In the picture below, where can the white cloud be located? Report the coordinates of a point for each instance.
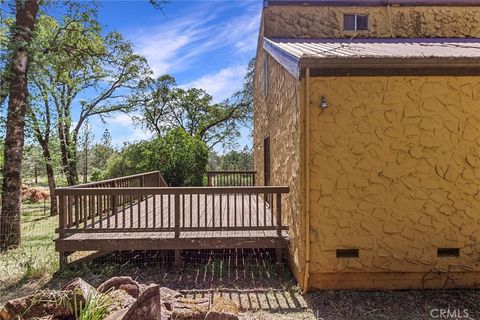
(125, 131)
(222, 84)
(176, 45)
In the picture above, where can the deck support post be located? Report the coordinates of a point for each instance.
(63, 259)
(61, 233)
(278, 255)
(178, 259)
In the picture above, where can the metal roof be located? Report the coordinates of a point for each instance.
(372, 53)
(373, 2)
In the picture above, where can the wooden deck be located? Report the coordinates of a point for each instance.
(161, 218)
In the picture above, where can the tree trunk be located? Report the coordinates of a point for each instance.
(50, 176)
(69, 157)
(26, 14)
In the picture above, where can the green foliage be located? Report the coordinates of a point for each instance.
(181, 158)
(77, 66)
(233, 160)
(163, 106)
(97, 306)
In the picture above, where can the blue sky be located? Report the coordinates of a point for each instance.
(204, 44)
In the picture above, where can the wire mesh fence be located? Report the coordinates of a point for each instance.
(34, 253)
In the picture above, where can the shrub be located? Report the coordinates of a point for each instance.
(181, 158)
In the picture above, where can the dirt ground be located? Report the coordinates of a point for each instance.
(264, 290)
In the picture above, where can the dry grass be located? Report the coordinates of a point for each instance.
(35, 258)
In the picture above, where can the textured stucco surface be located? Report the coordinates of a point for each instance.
(327, 22)
(279, 116)
(395, 173)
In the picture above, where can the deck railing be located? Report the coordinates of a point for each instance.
(231, 178)
(148, 179)
(160, 209)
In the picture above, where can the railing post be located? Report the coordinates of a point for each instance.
(253, 179)
(209, 179)
(178, 261)
(279, 214)
(279, 251)
(114, 201)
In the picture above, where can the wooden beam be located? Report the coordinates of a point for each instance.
(122, 244)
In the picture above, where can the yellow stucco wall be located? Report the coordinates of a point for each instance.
(395, 173)
(415, 21)
(280, 116)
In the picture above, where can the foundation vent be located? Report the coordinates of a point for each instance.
(347, 253)
(448, 252)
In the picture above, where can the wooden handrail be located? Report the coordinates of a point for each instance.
(165, 209)
(230, 171)
(114, 180)
(171, 190)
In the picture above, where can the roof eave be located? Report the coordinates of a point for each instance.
(370, 66)
(366, 66)
(289, 61)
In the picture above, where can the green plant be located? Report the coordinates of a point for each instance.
(96, 306)
(181, 158)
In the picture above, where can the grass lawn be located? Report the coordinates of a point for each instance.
(263, 290)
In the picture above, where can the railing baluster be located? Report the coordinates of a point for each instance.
(228, 209)
(205, 212)
(146, 211)
(256, 209)
(243, 210)
(169, 211)
(221, 211)
(213, 209)
(235, 210)
(177, 215)
(131, 211)
(279, 214)
(161, 210)
(154, 199)
(191, 213)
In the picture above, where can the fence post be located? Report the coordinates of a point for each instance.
(178, 261)
(209, 179)
(253, 178)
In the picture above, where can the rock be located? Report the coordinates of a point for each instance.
(79, 290)
(40, 305)
(168, 297)
(222, 309)
(147, 307)
(122, 298)
(190, 309)
(127, 284)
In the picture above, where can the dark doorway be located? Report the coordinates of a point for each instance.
(266, 161)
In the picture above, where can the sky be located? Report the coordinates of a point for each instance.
(203, 44)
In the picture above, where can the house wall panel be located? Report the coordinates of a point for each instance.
(279, 115)
(395, 173)
(384, 22)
